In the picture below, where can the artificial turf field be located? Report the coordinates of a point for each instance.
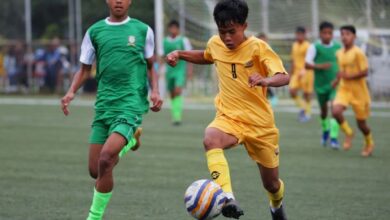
(43, 169)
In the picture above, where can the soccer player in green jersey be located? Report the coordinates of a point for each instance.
(321, 56)
(176, 76)
(124, 49)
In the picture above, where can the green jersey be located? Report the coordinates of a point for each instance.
(121, 69)
(320, 54)
(172, 44)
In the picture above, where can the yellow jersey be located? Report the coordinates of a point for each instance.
(298, 54)
(352, 62)
(235, 98)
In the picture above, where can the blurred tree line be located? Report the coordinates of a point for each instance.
(50, 18)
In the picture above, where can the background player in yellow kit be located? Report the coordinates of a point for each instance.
(302, 79)
(246, 66)
(353, 89)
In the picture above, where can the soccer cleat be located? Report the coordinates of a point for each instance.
(348, 142)
(325, 137)
(278, 214)
(367, 150)
(334, 144)
(137, 136)
(176, 123)
(301, 115)
(231, 209)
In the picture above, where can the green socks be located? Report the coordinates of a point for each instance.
(325, 124)
(334, 129)
(129, 145)
(99, 204)
(332, 126)
(177, 108)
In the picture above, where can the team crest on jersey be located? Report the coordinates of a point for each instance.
(249, 64)
(131, 41)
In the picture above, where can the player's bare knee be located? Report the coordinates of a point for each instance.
(210, 143)
(272, 186)
(106, 161)
(93, 172)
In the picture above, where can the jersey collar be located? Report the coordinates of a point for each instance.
(117, 23)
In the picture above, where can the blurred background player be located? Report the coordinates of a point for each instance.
(246, 66)
(301, 78)
(353, 89)
(176, 76)
(321, 56)
(122, 93)
(273, 98)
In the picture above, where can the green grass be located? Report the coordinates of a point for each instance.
(43, 169)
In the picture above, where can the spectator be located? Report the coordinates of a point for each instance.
(39, 72)
(3, 75)
(53, 65)
(11, 70)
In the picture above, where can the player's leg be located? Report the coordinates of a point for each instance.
(325, 122)
(293, 88)
(275, 190)
(108, 158)
(215, 141)
(334, 126)
(178, 101)
(133, 144)
(93, 159)
(307, 96)
(362, 112)
(177, 105)
(337, 112)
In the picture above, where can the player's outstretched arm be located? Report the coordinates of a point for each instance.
(192, 56)
(277, 80)
(153, 82)
(78, 80)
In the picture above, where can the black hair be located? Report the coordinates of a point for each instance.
(227, 12)
(300, 29)
(350, 28)
(326, 24)
(173, 23)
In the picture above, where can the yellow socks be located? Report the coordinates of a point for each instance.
(299, 102)
(369, 140)
(308, 108)
(276, 198)
(346, 128)
(219, 170)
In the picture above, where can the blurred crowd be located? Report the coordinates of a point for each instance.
(45, 69)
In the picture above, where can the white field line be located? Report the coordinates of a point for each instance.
(190, 106)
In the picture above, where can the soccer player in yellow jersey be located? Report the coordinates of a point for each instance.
(352, 89)
(246, 66)
(301, 78)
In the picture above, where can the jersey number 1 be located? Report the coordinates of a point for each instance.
(234, 72)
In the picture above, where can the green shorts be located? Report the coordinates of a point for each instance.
(175, 80)
(324, 98)
(106, 123)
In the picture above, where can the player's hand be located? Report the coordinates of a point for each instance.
(257, 80)
(172, 58)
(324, 66)
(65, 101)
(156, 101)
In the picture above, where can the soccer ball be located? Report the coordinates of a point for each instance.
(204, 199)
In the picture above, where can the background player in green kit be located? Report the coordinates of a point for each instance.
(321, 56)
(124, 49)
(176, 76)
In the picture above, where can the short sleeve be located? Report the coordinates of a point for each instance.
(149, 44)
(311, 54)
(87, 55)
(362, 61)
(207, 52)
(187, 44)
(271, 61)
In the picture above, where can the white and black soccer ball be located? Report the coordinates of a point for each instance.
(204, 199)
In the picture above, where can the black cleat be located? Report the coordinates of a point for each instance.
(279, 214)
(231, 209)
(176, 123)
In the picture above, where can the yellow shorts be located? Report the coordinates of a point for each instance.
(360, 107)
(262, 144)
(306, 83)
